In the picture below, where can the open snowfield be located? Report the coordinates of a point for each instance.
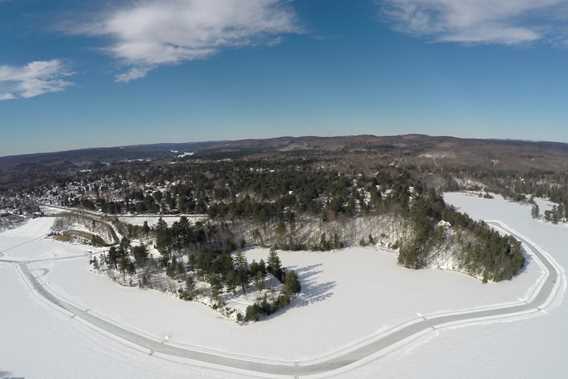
(533, 348)
(37, 341)
(29, 242)
(348, 295)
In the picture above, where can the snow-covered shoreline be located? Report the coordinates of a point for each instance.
(335, 283)
(339, 285)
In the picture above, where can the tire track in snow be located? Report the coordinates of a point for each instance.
(341, 360)
(21, 244)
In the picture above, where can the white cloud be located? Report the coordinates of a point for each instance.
(149, 33)
(34, 79)
(133, 74)
(479, 21)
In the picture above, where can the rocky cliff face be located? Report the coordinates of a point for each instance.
(84, 223)
(386, 231)
(451, 249)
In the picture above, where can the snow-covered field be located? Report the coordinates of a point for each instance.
(29, 242)
(39, 342)
(348, 295)
(533, 348)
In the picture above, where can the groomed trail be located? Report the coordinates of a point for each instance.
(549, 287)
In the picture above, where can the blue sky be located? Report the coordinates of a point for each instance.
(126, 72)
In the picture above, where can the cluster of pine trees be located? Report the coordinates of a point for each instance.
(203, 252)
(493, 256)
(279, 193)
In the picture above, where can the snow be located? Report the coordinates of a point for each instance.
(50, 211)
(29, 242)
(39, 342)
(347, 295)
(533, 348)
(544, 204)
(240, 301)
(153, 220)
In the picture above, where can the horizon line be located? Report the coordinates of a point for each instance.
(231, 140)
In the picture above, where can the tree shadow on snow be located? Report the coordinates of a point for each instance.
(528, 260)
(313, 291)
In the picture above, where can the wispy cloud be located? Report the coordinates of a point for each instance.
(149, 33)
(33, 79)
(506, 22)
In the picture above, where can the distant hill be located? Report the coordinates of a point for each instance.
(511, 154)
(107, 154)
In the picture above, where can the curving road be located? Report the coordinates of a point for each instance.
(341, 360)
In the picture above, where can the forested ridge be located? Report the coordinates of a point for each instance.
(296, 202)
(267, 203)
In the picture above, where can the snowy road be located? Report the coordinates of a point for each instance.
(370, 349)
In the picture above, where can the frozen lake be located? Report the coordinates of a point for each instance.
(348, 295)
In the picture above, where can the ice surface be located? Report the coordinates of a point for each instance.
(533, 348)
(347, 296)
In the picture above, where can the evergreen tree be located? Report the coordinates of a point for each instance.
(146, 229)
(292, 283)
(163, 239)
(172, 267)
(232, 282)
(259, 281)
(216, 287)
(189, 292)
(274, 264)
(252, 313)
(140, 255)
(262, 267)
(95, 263)
(130, 268)
(124, 244)
(535, 211)
(113, 257)
(123, 263)
(242, 269)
